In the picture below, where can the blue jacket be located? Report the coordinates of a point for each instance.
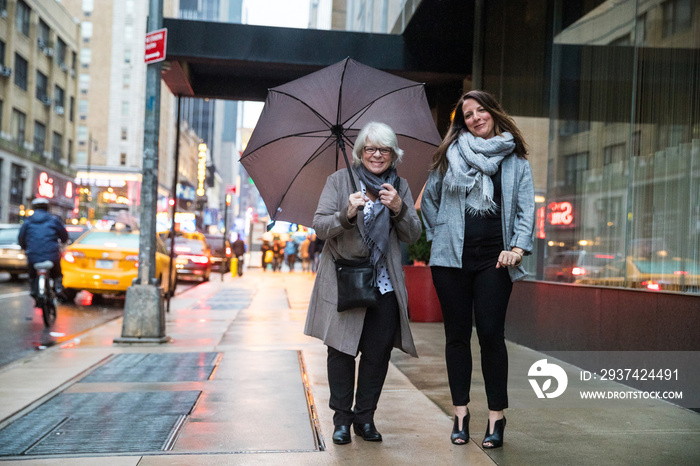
(443, 215)
(39, 236)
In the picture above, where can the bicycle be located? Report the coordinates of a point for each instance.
(46, 296)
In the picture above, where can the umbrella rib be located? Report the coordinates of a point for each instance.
(320, 117)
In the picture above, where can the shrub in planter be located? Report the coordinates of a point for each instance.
(423, 304)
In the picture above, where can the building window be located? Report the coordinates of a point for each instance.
(42, 83)
(71, 109)
(88, 7)
(39, 137)
(3, 8)
(2, 53)
(614, 153)
(85, 58)
(677, 16)
(126, 80)
(69, 154)
(576, 165)
(21, 67)
(82, 134)
(61, 54)
(57, 148)
(84, 83)
(19, 126)
(125, 108)
(86, 30)
(59, 99)
(82, 109)
(125, 133)
(127, 56)
(74, 62)
(44, 34)
(122, 159)
(22, 17)
(17, 179)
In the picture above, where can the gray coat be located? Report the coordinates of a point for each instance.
(342, 330)
(444, 213)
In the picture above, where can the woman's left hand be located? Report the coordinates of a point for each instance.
(390, 198)
(509, 259)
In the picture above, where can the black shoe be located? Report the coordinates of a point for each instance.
(496, 438)
(368, 432)
(341, 435)
(460, 437)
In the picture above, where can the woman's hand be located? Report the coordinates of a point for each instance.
(510, 258)
(355, 201)
(390, 198)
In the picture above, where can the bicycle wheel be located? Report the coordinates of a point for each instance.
(48, 308)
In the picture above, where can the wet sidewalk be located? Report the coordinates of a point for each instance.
(241, 384)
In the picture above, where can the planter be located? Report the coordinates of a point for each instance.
(423, 304)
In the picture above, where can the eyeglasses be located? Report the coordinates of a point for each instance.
(382, 150)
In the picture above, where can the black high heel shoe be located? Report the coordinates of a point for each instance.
(496, 438)
(463, 434)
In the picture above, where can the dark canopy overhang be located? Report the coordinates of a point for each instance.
(241, 62)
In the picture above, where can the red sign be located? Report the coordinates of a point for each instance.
(560, 214)
(230, 189)
(155, 46)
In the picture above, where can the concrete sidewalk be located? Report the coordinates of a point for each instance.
(241, 384)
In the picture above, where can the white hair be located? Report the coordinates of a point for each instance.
(380, 134)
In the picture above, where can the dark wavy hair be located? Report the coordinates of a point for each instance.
(502, 123)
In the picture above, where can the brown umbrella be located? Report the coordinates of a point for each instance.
(305, 124)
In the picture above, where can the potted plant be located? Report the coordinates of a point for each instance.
(423, 303)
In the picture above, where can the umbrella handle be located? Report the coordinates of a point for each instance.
(341, 143)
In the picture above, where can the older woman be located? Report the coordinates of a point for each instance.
(356, 225)
(479, 210)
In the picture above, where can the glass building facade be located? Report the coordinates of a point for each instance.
(607, 94)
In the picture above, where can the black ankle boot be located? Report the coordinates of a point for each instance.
(368, 432)
(341, 435)
(496, 438)
(463, 434)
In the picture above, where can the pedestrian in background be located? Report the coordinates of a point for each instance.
(478, 207)
(266, 258)
(357, 224)
(304, 254)
(318, 250)
(238, 248)
(277, 255)
(290, 254)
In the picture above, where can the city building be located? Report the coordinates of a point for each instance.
(111, 108)
(39, 47)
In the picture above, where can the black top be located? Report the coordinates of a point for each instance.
(485, 230)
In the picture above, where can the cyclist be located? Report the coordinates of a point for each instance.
(39, 237)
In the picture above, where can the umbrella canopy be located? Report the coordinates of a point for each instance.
(297, 141)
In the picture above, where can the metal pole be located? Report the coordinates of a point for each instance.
(226, 203)
(144, 314)
(173, 191)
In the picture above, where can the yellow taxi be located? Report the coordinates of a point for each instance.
(652, 274)
(106, 262)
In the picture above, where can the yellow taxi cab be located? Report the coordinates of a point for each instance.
(106, 262)
(652, 274)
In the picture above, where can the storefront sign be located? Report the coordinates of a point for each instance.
(560, 214)
(51, 185)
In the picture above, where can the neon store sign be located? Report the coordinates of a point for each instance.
(560, 214)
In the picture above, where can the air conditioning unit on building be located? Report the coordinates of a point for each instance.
(63, 66)
(59, 110)
(5, 70)
(48, 51)
(45, 100)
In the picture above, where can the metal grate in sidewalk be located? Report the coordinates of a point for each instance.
(155, 367)
(75, 423)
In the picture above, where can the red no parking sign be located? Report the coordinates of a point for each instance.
(155, 46)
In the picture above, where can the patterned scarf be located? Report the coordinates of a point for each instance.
(472, 162)
(377, 226)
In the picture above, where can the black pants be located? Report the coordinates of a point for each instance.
(380, 327)
(482, 288)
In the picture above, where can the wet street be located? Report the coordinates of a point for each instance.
(22, 330)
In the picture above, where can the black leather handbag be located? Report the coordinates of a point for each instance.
(355, 284)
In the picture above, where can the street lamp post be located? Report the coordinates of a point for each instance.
(144, 313)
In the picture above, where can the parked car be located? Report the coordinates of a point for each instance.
(12, 257)
(107, 262)
(192, 258)
(571, 266)
(220, 251)
(656, 274)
